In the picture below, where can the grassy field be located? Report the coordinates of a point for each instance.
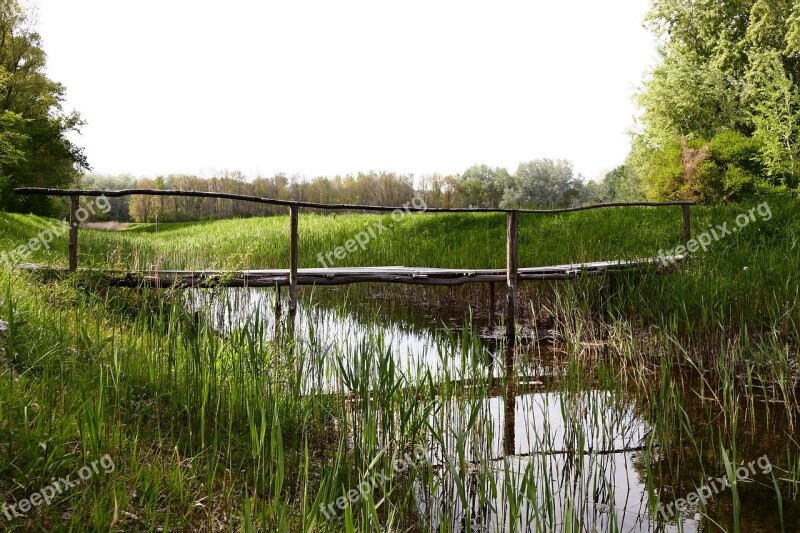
(212, 431)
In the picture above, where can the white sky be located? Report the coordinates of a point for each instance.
(325, 88)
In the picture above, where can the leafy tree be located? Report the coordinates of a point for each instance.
(143, 208)
(483, 186)
(590, 193)
(776, 116)
(33, 126)
(686, 97)
(543, 183)
(621, 185)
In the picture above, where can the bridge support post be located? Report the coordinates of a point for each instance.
(511, 328)
(73, 232)
(293, 216)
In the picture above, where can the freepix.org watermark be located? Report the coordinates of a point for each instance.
(58, 486)
(371, 231)
(416, 458)
(46, 237)
(713, 487)
(716, 233)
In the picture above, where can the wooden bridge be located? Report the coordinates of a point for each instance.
(294, 276)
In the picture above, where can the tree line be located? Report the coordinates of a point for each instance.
(541, 183)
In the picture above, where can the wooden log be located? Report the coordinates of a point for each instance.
(293, 217)
(73, 232)
(687, 225)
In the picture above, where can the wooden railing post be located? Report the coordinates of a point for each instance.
(687, 225)
(73, 232)
(511, 277)
(293, 265)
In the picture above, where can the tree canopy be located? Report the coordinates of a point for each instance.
(721, 112)
(34, 146)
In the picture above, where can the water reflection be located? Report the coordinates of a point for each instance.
(570, 460)
(534, 459)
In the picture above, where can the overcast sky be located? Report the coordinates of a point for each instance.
(325, 88)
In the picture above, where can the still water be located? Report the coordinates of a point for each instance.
(572, 461)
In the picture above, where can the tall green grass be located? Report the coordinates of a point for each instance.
(227, 429)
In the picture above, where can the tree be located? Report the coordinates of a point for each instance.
(686, 97)
(143, 208)
(621, 185)
(543, 183)
(33, 124)
(776, 116)
(483, 186)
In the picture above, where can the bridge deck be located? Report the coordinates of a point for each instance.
(350, 275)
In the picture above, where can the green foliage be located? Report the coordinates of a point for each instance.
(12, 140)
(483, 186)
(686, 97)
(543, 183)
(729, 68)
(727, 168)
(776, 116)
(737, 159)
(661, 168)
(621, 185)
(34, 145)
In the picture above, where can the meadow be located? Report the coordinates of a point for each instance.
(688, 376)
